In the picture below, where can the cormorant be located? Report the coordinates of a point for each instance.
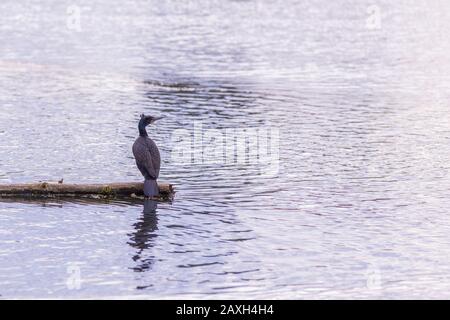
(148, 159)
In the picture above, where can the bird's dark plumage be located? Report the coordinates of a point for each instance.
(147, 156)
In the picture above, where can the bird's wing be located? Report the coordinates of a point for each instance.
(148, 164)
(144, 160)
(156, 157)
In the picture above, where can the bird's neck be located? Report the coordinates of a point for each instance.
(142, 130)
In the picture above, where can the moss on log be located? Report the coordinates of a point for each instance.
(93, 191)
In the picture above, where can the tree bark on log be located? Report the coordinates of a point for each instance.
(100, 191)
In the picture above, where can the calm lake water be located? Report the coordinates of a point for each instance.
(358, 206)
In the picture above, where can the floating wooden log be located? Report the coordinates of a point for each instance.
(93, 191)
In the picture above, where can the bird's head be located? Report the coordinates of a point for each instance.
(144, 122)
(147, 120)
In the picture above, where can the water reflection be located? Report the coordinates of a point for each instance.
(61, 201)
(143, 239)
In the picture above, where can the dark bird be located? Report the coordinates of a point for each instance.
(148, 159)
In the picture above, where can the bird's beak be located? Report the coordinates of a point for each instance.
(157, 118)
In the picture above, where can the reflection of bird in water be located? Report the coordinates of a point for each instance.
(148, 159)
(144, 236)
